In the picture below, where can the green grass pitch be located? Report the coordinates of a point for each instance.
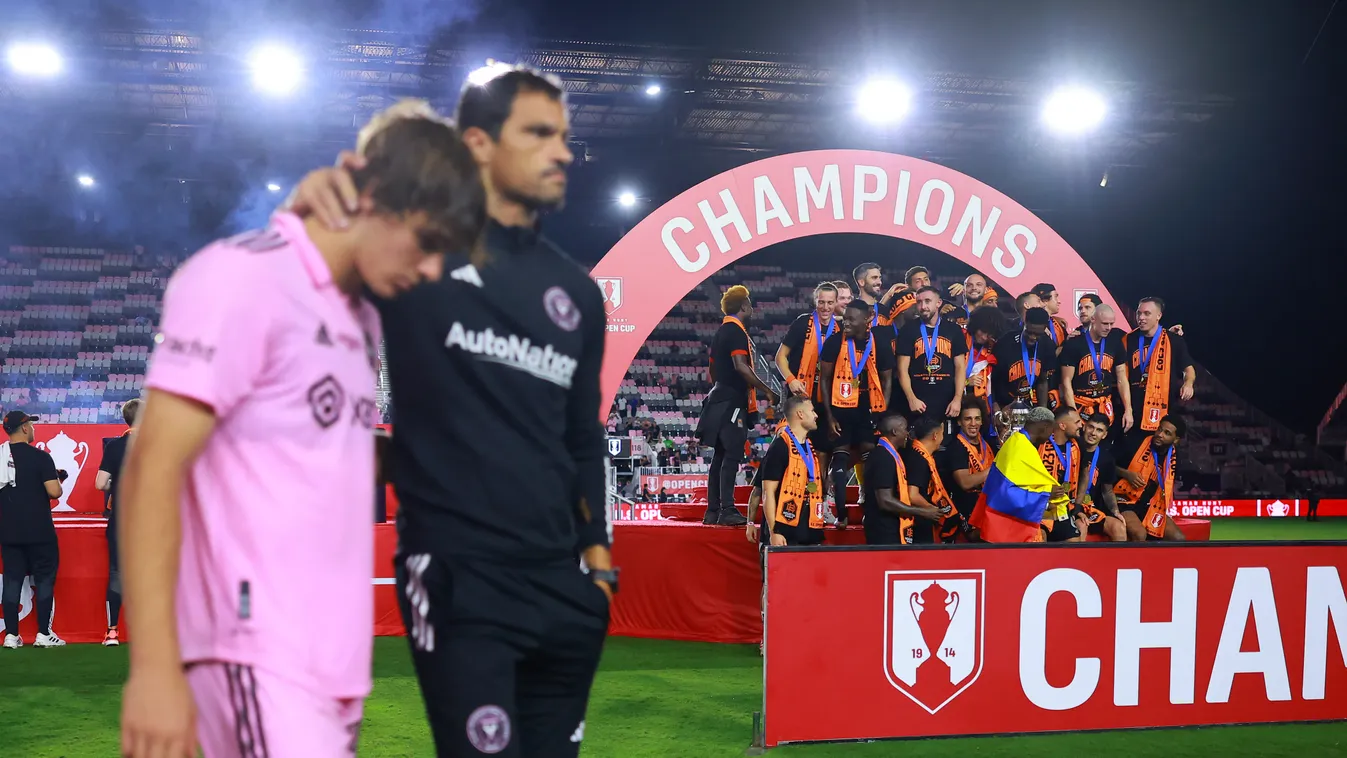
(652, 699)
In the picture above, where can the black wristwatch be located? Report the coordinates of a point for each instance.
(608, 577)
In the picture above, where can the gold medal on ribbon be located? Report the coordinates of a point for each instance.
(811, 488)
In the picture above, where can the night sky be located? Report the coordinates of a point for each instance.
(1239, 229)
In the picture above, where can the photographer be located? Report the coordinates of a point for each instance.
(29, 481)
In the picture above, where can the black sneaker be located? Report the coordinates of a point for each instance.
(711, 518)
(733, 518)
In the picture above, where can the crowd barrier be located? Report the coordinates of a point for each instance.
(979, 640)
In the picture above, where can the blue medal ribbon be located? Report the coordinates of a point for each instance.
(865, 356)
(1162, 476)
(885, 444)
(818, 327)
(1146, 354)
(1052, 330)
(1064, 459)
(1094, 463)
(1030, 368)
(1097, 357)
(806, 452)
(930, 340)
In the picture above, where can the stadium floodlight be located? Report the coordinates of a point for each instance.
(653, 90)
(626, 199)
(884, 101)
(276, 70)
(1074, 110)
(486, 73)
(85, 181)
(273, 187)
(31, 59)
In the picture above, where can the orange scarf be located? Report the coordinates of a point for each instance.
(808, 371)
(1057, 331)
(1155, 404)
(980, 458)
(1143, 463)
(1054, 467)
(844, 384)
(900, 491)
(938, 496)
(794, 497)
(752, 361)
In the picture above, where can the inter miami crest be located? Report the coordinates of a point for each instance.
(933, 633)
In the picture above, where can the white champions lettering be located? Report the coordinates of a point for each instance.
(516, 352)
(1251, 602)
(930, 206)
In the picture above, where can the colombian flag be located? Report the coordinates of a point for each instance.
(1015, 494)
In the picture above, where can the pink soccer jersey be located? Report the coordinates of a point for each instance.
(277, 543)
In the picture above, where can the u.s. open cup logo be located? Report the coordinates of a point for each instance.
(933, 633)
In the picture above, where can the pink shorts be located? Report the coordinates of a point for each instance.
(245, 713)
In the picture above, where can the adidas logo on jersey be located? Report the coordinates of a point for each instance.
(510, 350)
(467, 274)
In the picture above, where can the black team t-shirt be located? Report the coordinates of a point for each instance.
(1179, 360)
(881, 527)
(114, 452)
(932, 381)
(25, 509)
(1077, 352)
(729, 341)
(957, 459)
(919, 476)
(1106, 474)
(794, 340)
(773, 469)
(883, 352)
(1009, 382)
(1126, 449)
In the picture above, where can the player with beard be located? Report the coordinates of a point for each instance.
(505, 625)
(798, 358)
(1085, 308)
(932, 360)
(1145, 487)
(926, 488)
(1065, 520)
(984, 326)
(1094, 366)
(1023, 361)
(1098, 474)
(889, 512)
(791, 479)
(975, 294)
(856, 372)
(731, 408)
(969, 457)
(1161, 369)
(844, 298)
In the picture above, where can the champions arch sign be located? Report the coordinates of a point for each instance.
(751, 207)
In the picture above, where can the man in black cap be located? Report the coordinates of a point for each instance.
(29, 481)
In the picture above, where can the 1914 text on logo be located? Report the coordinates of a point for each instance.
(516, 352)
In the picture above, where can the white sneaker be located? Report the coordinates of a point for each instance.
(13, 641)
(48, 640)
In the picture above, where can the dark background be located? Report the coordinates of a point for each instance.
(1241, 228)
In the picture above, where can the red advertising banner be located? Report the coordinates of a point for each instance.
(1243, 508)
(673, 484)
(78, 449)
(999, 640)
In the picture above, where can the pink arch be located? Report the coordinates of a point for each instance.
(775, 199)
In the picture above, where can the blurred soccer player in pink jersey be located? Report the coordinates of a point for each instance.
(246, 498)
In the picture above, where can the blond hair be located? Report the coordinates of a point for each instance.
(733, 300)
(403, 109)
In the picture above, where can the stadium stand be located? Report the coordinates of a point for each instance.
(77, 326)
